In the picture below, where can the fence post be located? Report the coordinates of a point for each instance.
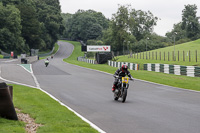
(160, 55)
(168, 56)
(146, 55)
(164, 56)
(149, 56)
(189, 56)
(183, 55)
(153, 55)
(196, 55)
(178, 55)
(156, 55)
(143, 55)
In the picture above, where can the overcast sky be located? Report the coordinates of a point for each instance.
(169, 11)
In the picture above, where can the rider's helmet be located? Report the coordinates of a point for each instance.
(124, 68)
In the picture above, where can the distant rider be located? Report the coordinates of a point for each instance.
(121, 72)
(46, 62)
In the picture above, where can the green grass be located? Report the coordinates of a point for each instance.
(54, 51)
(191, 83)
(56, 48)
(10, 126)
(140, 58)
(45, 111)
(1, 56)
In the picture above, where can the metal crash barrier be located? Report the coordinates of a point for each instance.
(7, 109)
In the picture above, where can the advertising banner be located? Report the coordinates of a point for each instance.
(105, 48)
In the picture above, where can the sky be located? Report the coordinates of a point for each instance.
(169, 12)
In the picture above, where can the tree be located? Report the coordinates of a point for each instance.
(10, 29)
(180, 33)
(119, 28)
(66, 17)
(190, 21)
(86, 25)
(141, 23)
(31, 29)
(128, 26)
(94, 31)
(49, 16)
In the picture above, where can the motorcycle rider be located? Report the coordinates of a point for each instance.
(121, 72)
(46, 62)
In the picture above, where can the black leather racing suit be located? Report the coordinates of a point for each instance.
(121, 73)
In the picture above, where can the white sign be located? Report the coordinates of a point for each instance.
(105, 48)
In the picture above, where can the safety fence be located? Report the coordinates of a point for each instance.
(86, 60)
(191, 71)
(131, 66)
(47, 54)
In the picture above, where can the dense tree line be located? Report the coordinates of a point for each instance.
(129, 29)
(85, 25)
(38, 24)
(189, 28)
(29, 24)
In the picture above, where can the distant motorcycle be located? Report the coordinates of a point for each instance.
(46, 63)
(121, 88)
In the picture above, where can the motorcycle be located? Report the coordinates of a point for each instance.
(46, 63)
(121, 88)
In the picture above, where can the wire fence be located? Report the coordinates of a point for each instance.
(185, 55)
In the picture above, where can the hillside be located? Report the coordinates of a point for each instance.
(190, 50)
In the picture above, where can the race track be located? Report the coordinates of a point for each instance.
(150, 108)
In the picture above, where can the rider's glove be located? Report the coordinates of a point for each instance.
(115, 76)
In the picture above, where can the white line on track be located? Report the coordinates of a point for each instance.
(38, 87)
(10, 60)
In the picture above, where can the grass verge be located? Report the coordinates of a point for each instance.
(185, 82)
(54, 51)
(167, 52)
(45, 111)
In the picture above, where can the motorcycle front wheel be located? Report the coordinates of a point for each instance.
(124, 95)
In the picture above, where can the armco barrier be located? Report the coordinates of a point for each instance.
(86, 60)
(32, 59)
(131, 66)
(191, 71)
(47, 54)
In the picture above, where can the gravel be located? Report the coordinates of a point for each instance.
(31, 126)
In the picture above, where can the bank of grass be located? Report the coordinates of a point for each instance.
(46, 111)
(189, 46)
(185, 82)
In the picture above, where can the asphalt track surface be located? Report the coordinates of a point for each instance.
(149, 108)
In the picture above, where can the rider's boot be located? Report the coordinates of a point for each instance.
(113, 88)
